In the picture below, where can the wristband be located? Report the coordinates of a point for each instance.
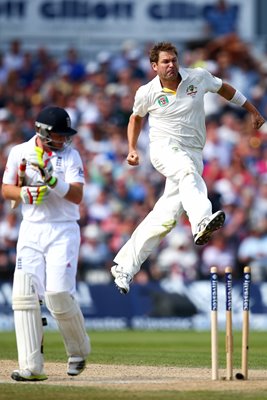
(59, 187)
(238, 98)
(52, 181)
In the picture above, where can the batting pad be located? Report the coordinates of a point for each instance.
(28, 322)
(66, 311)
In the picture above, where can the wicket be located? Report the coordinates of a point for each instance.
(229, 328)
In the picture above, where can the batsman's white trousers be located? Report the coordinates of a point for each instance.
(49, 251)
(185, 190)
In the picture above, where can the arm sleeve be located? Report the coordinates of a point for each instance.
(11, 170)
(212, 83)
(140, 102)
(75, 170)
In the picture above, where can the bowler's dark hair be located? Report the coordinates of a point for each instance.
(161, 46)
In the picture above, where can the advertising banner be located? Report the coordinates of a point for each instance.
(99, 23)
(151, 306)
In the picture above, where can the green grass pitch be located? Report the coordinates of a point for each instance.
(141, 348)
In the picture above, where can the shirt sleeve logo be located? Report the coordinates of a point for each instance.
(163, 101)
(81, 173)
(59, 161)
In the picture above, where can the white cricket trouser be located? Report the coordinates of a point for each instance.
(49, 251)
(47, 256)
(185, 190)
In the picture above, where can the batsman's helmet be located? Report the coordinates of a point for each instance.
(54, 120)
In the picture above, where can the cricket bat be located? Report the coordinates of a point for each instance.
(20, 178)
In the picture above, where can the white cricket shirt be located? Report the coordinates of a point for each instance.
(178, 115)
(67, 166)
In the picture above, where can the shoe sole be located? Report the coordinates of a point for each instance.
(78, 373)
(212, 226)
(17, 377)
(80, 367)
(121, 289)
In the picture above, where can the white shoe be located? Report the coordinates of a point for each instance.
(76, 365)
(207, 226)
(122, 279)
(24, 375)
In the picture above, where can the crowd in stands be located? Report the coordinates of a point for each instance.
(98, 95)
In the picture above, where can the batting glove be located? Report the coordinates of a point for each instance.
(41, 160)
(33, 194)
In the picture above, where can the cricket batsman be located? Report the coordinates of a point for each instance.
(48, 243)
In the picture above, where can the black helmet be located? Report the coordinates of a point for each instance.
(54, 120)
(57, 120)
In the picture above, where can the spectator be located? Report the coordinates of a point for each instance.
(3, 70)
(94, 252)
(72, 66)
(221, 18)
(9, 230)
(216, 254)
(253, 252)
(13, 59)
(181, 253)
(258, 210)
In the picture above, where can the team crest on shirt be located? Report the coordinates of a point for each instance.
(191, 90)
(163, 101)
